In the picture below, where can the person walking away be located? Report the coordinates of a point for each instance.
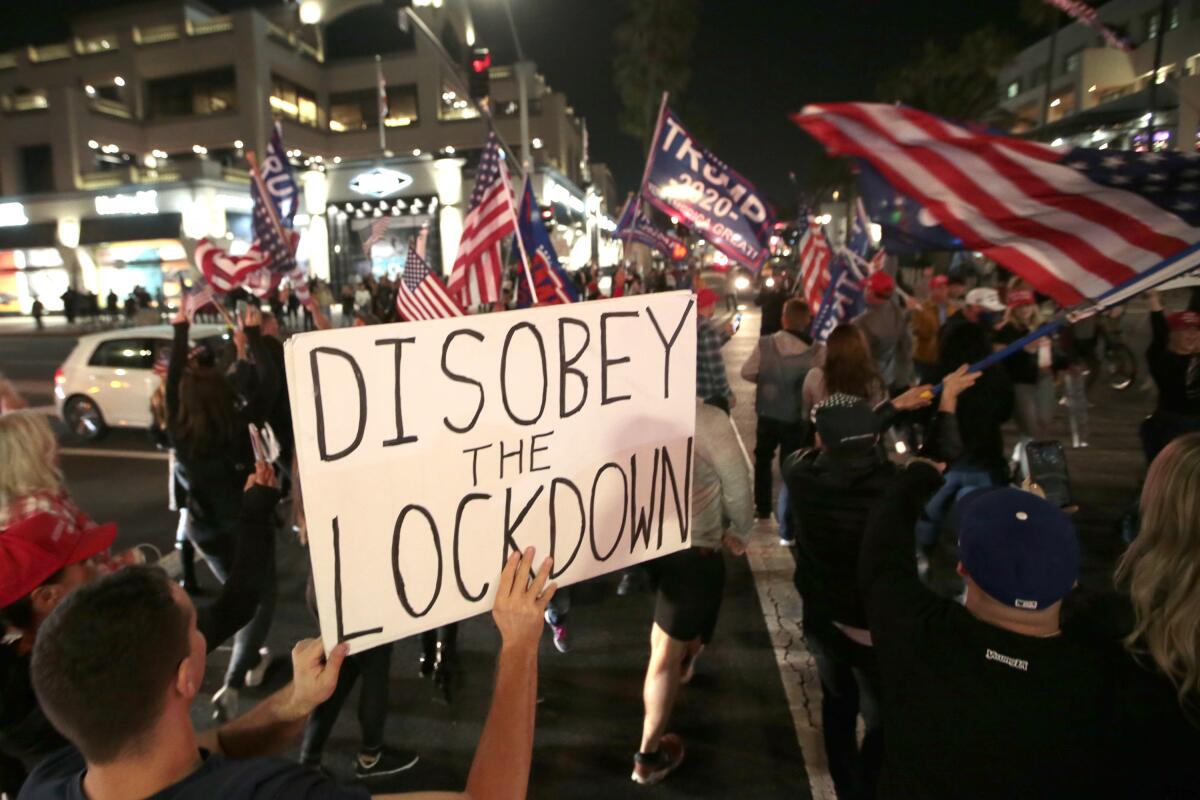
(111, 305)
(772, 295)
(690, 585)
(986, 698)
(886, 326)
(1174, 360)
(927, 320)
(1030, 371)
(37, 310)
(1077, 343)
(1149, 617)
(778, 366)
(712, 384)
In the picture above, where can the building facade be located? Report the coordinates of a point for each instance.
(123, 145)
(1070, 88)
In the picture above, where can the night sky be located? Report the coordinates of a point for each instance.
(754, 62)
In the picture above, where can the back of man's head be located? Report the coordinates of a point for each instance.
(105, 658)
(795, 315)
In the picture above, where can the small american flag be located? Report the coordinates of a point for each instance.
(815, 257)
(1075, 222)
(196, 299)
(421, 294)
(475, 278)
(224, 272)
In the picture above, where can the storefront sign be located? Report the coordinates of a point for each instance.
(557, 193)
(429, 451)
(12, 214)
(379, 182)
(141, 203)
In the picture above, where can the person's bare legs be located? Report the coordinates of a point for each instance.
(663, 675)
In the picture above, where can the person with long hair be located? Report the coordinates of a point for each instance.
(212, 445)
(849, 369)
(1154, 614)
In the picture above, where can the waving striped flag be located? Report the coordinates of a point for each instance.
(421, 294)
(1076, 223)
(815, 258)
(475, 278)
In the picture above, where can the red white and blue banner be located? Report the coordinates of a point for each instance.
(1078, 224)
(686, 180)
(546, 275)
(634, 225)
(1086, 15)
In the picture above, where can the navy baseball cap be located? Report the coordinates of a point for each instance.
(846, 424)
(1018, 548)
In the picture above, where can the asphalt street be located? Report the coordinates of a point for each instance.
(734, 718)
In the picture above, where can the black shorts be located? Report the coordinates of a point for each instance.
(690, 585)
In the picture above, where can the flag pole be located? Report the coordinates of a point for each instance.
(381, 102)
(526, 190)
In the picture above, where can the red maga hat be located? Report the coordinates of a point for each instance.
(34, 548)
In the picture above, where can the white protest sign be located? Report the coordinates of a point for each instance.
(428, 451)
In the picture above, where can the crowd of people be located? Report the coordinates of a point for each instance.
(1012, 682)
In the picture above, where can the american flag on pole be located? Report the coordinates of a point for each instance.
(222, 271)
(1076, 223)
(196, 298)
(492, 216)
(815, 258)
(421, 294)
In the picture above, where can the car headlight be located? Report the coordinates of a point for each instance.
(742, 283)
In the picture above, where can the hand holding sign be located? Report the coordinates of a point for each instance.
(521, 601)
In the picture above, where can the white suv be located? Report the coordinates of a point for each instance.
(108, 379)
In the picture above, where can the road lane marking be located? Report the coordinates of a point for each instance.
(83, 452)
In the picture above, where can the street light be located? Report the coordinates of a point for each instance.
(311, 12)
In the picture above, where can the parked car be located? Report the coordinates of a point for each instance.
(108, 379)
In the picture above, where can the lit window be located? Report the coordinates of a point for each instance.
(454, 106)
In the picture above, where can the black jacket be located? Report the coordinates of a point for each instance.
(831, 498)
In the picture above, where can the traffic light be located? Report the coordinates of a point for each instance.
(477, 73)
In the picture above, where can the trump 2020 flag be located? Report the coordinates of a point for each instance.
(1077, 223)
(843, 299)
(686, 180)
(546, 275)
(635, 225)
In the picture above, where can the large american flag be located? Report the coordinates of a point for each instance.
(421, 294)
(1076, 223)
(815, 258)
(492, 216)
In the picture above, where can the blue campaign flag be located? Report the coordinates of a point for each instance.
(686, 180)
(635, 225)
(843, 299)
(276, 194)
(549, 279)
(906, 226)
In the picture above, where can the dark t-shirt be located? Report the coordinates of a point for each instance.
(1022, 365)
(60, 777)
(971, 710)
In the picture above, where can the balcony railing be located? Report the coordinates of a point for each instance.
(49, 52)
(154, 34)
(210, 26)
(97, 44)
(111, 107)
(165, 172)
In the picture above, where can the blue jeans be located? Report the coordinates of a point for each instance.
(958, 482)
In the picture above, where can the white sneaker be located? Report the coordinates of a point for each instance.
(255, 675)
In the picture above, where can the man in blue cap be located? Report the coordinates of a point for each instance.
(988, 697)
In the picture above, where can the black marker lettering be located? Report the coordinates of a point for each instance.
(474, 451)
(519, 453)
(534, 449)
(537, 336)
(400, 438)
(668, 344)
(554, 484)
(510, 544)
(642, 521)
(401, 592)
(605, 361)
(592, 511)
(462, 586)
(567, 366)
(682, 508)
(362, 402)
(338, 611)
(457, 378)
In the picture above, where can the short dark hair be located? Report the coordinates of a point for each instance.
(795, 312)
(104, 659)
